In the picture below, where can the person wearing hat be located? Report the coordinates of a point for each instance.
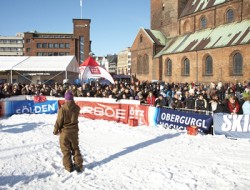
(66, 126)
(246, 104)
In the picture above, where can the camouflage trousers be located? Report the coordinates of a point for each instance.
(69, 144)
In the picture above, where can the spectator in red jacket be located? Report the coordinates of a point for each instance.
(151, 98)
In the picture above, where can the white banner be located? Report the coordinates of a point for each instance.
(236, 126)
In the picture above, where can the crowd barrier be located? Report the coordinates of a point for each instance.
(236, 126)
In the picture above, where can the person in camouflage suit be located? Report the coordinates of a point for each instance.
(66, 127)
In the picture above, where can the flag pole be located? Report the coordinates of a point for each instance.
(81, 7)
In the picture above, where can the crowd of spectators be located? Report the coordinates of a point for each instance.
(216, 97)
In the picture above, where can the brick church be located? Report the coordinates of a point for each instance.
(194, 41)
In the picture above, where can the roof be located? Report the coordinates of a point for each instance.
(39, 63)
(8, 62)
(193, 6)
(89, 62)
(112, 58)
(222, 36)
(156, 36)
(48, 33)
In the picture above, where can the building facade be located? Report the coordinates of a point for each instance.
(59, 44)
(124, 62)
(194, 41)
(112, 64)
(12, 45)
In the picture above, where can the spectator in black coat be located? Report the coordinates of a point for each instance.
(160, 101)
(190, 101)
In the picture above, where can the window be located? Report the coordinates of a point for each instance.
(141, 38)
(139, 65)
(27, 50)
(50, 45)
(44, 45)
(145, 64)
(39, 45)
(186, 26)
(168, 67)
(209, 65)
(230, 16)
(13, 49)
(27, 40)
(81, 47)
(186, 67)
(237, 64)
(56, 45)
(203, 22)
(67, 45)
(61, 45)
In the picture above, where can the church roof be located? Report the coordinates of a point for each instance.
(193, 6)
(232, 34)
(156, 36)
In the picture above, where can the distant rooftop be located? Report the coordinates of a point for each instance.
(53, 33)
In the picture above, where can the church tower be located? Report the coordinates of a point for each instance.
(165, 15)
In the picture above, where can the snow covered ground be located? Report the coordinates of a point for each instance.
(117, 156)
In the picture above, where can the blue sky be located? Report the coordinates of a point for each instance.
(114, 23)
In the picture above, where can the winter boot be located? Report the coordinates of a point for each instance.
(79, 168)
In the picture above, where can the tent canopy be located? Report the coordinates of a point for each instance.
(89, 62)
(91, 69)
(39, 63)
(8, 62)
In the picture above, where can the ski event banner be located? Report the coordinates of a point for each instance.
(174, 119)
(28, 107)
(235, 126)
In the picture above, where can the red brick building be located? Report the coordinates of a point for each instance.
(194, 40)
(59, 44)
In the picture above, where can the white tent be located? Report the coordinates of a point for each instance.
(39, 64)
(8, 62)
(48, 63)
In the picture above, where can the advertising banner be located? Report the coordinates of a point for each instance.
(146, 115)
(236, 126)
(2, 109)
(105, 111)
(180, 120)
(138, 112)
(30, 107)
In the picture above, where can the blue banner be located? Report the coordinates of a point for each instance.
(30, 107)
(180, 120)
(236, 126)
